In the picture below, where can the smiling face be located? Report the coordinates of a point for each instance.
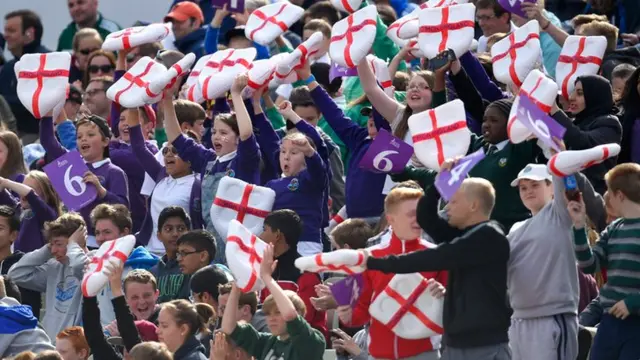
(292, 160)
(576, 99)
(91, 142)
(141, 299)
(175, 166)
(490, 23)
(169, 332)
(402, 218)
(494, 126)
(224, 139)
(535, 194)
(418, 94)
(83, 11)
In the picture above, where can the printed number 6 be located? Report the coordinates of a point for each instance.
(381, 159)
(458, 172)
(70, 181)
(540, 126)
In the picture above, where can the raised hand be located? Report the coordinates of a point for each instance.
(79, 237)
(286, 110)
(345, 343)
(578, 214)
(268, 264)
(239, 83)
(436, 289)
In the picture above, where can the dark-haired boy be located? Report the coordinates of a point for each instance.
(173, 222)
(196, 249)
(282, 229)
(9, 228)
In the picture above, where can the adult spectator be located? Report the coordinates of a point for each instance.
(23, 33)
(187, 20)
(73, 103)
(492, 19)
(138, 52)
(84, 14)
(2, 43)
(95, 98)
(85, 42)
(100, 63)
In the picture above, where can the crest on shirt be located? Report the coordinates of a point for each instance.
(502, 162)
(294, 184)
(102, 180)
(230, 173)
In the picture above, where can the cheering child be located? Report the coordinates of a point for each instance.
(93, 135)
(11, 158)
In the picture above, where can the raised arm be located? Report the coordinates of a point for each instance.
(229, 322)
(429, 220)
(48, 139)
(387, 106)
(591, 259)
(93, 329)
(467, 92)
(480, 79)
(536, 11)
(38, 206)
(31, 271)
(608, 131)
(124, 319)
(284, 305)
(242, 115)
(145, 157)
(171, 124)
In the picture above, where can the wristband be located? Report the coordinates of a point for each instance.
(310, 79)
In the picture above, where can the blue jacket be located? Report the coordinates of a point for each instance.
(141, 258)
(193, 43)
(211, 43)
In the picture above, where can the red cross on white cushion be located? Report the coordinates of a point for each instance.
(352, 38)
(261, 73)
(270, 21)
(42, 81)
(238, 200)
(381, 72)
(135, 36)
(415, 50)
(115, 252)
(344, 261)
(440, 134)
(517, 54)
(192, 89)
(174, 72)
(135, 89)
(403, 29)
(244, 253)
(336, 220)
(284, 64)
(408, 308)
(309, 49)
(570, 162)
(218, 74)
(580, 55)
(446, 28)
(348, 6)
(441, 3)
(542, 91)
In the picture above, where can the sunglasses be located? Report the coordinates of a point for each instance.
(168, 149)
(102, 68)
(87, 51)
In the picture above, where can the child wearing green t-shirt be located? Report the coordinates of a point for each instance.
(291, 337)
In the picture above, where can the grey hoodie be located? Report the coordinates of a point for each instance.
(39, 271)
(19, 330)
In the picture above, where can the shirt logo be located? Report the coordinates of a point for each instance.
(230, 173)
(293, 185)
(502, 162)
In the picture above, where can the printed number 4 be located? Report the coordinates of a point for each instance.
(70, 181)
(382, 163)
(459, 171)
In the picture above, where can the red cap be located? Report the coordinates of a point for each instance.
(147, 330)
(183, 11)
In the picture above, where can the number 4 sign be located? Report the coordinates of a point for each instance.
(542, 125)
(66, 173)
(448, 182)
(386, 154)
(236, 6)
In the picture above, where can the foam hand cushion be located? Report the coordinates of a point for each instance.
(352, 38)
(244, 253)
(440, 134)
(284, 64)
(570, 162)
(42, 81)
(381, 72)
(441, 3)
(344, 261)
(135, 36)
(442, 28)
(220, 71)
(261, 73)
(403, 29)
(140, 85)
(178, 69)
(517, 54)
(270, 21)
(580, 55)
(115, 252)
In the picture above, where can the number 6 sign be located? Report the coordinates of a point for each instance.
(386, 154)
(66, 173)
(448, 182)
(542, 125)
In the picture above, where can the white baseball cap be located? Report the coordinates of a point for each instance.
(535, 172)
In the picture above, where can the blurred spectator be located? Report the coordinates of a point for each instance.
(23, 34)
(85, 42)
(138, 52)
(2, 42)
(619, 76)
(84, 14)
(492, 19)
(7, 120)
(100, 63)
(95, 98)
(73, 103)
(187, 20)
(72, 345)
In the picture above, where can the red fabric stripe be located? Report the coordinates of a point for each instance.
(437, 133)
(253, 258)
(243, 208)
(386, 84)
(338, 219)
(134, 80)
(574, 60)
(444, 27)
(513, 54)
(554, 169)
(407, 305)
(605, 155)
(349, 35)
(325, 267)
(270, 19)
(347, 6)
(39, 76)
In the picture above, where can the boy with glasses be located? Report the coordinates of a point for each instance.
(196, 249)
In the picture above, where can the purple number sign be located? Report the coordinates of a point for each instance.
(340, 71)
(514, 6)
(386, 154)
(348, 290)
(66, 173)
(448, 182)
(542, 125)
(236, 6)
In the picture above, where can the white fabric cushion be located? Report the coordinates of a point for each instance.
(115, 252)
(352, 38)
(244, 253)
(237, 200)
(135, 36)
(336, 220)
(223, 66)
(445, 28)
(381, 72)
(440, 134)
(441, 3)
(404, 29)
(42, 81)
(580, 55)
(517, 54)
(408, 308)
(270, 21)
(415, 51)
(174, 72)
(570, 162)
(348, 6)
(140, 85)
(260, 74)
(284, 64)
(542, 91)
(193, 91)
(343, 261)
(309, 48)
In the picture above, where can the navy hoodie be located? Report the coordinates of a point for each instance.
(19, 330)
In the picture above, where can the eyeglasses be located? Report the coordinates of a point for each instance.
(484, 17)
(102, 68)
(171, 228)
(93, 92)
(168, 149)
(183, 254)
(87, 51)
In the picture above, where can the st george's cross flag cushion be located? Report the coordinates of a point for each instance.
(115, 252)
(449, 27)
(244, 252)
(352, 38)
(348, 6)
(517, 54)
(135, 36)
(403, 29)
(415, 50)
(542, 91)
(270, 21)
(310, 48)
(260, 75)
(138, 86)
(42, 81)
(407, 308)
(237, 200)
(439, 134)
(381, 72)
(193, 90)
(570, 162)
(336, 220)
(218, 74)
(172, 74)
(284, 65)
(343, 261)
(580, 55)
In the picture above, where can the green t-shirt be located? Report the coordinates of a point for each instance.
(104, 27)
(304, 342)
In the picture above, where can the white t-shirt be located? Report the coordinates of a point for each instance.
(148, 185)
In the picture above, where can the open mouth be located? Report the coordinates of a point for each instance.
(286, 168)
(217, 146)
(415, 97)
(170, 161)
(143, 310)
(85, 147)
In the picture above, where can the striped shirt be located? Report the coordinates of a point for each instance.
(617, 251)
